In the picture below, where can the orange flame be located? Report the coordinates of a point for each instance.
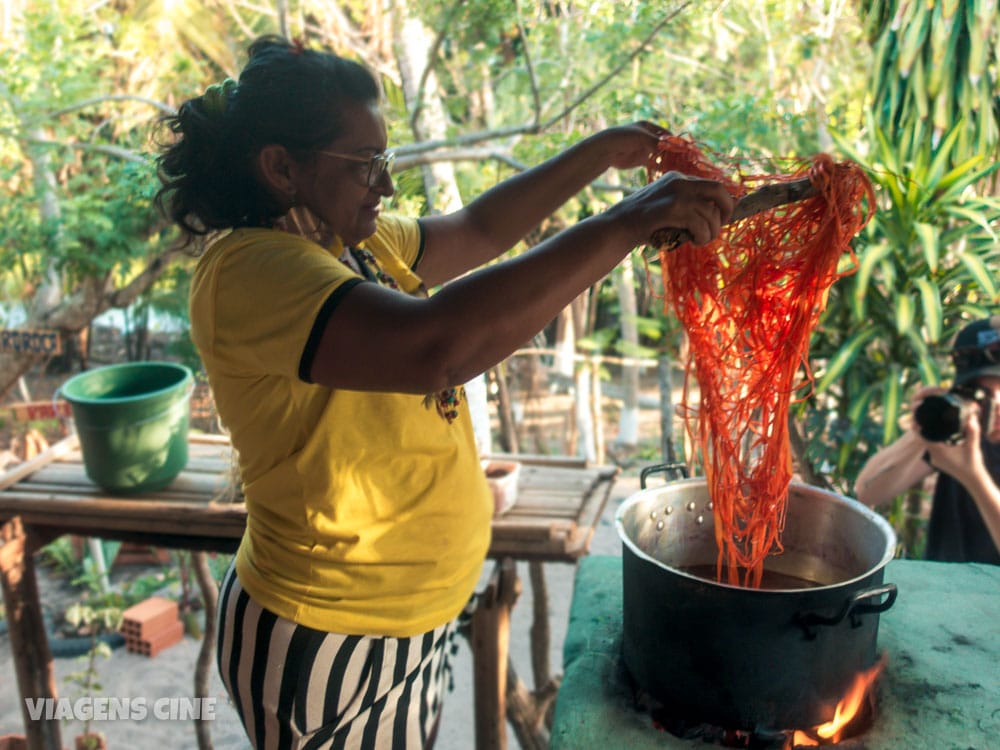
(848, 707)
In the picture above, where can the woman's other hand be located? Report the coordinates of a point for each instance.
(631, 146)
(676, 201)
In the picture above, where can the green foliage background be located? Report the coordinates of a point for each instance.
(764, 81)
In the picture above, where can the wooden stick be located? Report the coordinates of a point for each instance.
(203, 666)
(762, 199)
(26, 468)
(29, 644)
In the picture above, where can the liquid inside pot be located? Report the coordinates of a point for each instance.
(770, 580)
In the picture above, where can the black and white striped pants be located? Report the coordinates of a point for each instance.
(296, 688)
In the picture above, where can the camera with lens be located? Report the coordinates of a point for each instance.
(941, 416)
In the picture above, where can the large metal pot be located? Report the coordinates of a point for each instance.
(751, 659)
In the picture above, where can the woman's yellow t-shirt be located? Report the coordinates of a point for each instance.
(368, 513)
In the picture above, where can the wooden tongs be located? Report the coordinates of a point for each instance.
(762, 199)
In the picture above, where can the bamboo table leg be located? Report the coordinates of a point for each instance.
(28, 641)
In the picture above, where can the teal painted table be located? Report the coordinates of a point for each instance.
(940, 690)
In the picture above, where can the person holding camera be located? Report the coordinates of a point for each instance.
(955, 433)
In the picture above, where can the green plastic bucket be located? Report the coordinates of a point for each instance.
(132, 421)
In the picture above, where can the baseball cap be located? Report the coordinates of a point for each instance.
(976, 351)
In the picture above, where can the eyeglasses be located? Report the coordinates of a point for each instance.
(378, 164)
(971, 357)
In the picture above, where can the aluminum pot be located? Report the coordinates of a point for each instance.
(751, 659)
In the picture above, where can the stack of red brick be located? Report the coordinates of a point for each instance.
(151, 626)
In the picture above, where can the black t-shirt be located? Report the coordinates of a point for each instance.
(957, 532)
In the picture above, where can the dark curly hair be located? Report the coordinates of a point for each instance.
(286, 95)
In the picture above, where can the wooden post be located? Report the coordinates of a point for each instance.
(28, 642)
(597, 410)
(203, 669)
(490, 639)
(665, 378)
(540, 632)
(584, 415)
(505, 412)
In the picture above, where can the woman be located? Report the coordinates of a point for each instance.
(339, 379)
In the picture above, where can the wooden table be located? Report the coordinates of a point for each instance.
(558, 505)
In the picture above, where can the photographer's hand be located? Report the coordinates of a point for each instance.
(964, 462)
(893, 470)
(898, 466)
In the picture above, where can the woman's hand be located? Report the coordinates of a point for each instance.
(630, 146)
(676, 201)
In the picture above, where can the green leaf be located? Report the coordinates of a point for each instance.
(943, 156)
(904, 309)
(858, 410)
(844, 356)
(892, 394)
(974, 217)
(887, 155)
(950, 187)
(928, 236)
(929, 371)
(868, 259)
(857, 414)
(977, 269)
(930, 298)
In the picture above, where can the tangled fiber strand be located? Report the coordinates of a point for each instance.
(749, 302)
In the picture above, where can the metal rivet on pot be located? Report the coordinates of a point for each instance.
(700, 519)
(691, 505)
(659, 525)
(668, 510)
(710, 505)
(652, 515)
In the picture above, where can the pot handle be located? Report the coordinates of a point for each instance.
(855, 606)
(671, 470)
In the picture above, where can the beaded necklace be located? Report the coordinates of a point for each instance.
(446, 401)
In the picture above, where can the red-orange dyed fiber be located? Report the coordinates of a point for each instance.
(749, 302)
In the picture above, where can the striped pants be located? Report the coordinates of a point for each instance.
(296, 688)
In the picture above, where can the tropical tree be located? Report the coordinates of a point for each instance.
(78, 233)
(502, 85)
(924, 263)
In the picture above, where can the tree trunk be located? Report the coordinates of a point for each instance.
(413, 45)
(666, 381)
(565, 345)
(628, 421)
(505, 410)
(48, 295)
(76, 311)
(586, 442)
